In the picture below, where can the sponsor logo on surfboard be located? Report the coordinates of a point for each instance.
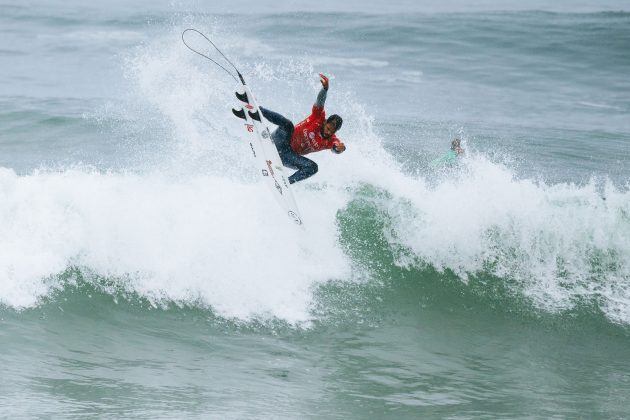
(265, 134)
(253, 151)
(250, 128)
(279, 188)
(270, 168)
(265, 173)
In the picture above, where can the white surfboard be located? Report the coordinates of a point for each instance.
(266, 155)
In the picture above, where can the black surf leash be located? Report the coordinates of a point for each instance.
(240, 76)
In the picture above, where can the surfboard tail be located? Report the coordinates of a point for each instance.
(254, 115)
(266, 155)
(242, 97)
(239, 114)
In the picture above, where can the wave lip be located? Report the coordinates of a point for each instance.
(208, 239)
(557, 245)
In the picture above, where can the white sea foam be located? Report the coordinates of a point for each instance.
(204, 238)
(559, 244)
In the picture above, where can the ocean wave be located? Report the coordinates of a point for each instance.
(558, 246)
(125, 36)
(197, 228)
(351, 61)
(207, 238)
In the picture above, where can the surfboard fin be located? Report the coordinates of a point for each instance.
(240, 113)
(242, 97)
(254, 115)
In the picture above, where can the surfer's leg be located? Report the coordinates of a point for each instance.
(278, 120)
(282, 139)
(305, 167)
(287, 156)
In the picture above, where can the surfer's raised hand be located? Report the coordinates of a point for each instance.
(339, 147)
(324, 81)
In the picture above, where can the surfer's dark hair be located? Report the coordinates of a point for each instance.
(335, 119)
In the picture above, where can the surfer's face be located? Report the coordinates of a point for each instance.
(329, 129)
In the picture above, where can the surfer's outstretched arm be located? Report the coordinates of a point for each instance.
(277, 119)
(321, 96)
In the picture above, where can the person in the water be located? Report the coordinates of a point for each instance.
(450, 156)
(313, 134)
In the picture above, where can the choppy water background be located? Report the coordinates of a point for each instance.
(136, 273)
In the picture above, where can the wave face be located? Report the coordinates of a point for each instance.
(220, 243)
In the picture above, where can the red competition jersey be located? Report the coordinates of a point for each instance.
(307, 135)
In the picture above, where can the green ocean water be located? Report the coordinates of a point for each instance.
(145, 273)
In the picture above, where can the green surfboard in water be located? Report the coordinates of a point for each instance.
(448, 158)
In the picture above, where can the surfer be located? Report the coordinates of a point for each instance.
(314, 134)
(450, 156)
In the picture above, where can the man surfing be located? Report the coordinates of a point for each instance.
(451, 156)
(313, 134)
